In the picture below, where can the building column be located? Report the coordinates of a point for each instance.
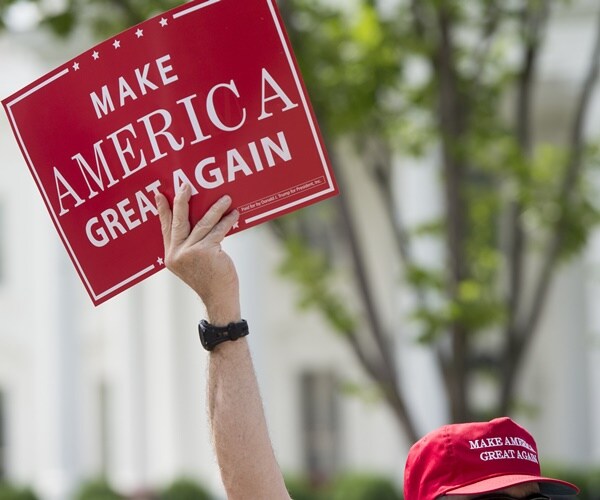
(127, 460)
(56, 372)
(592, 268)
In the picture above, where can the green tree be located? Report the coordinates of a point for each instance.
(97, 489)
(11, 492)
(510, 197)
(363, 487)
(185, 489)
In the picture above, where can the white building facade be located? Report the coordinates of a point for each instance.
(119, 390)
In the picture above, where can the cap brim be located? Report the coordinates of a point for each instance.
(547, 485)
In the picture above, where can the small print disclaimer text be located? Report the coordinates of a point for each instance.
(267, 200)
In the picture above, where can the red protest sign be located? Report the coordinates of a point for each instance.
(207, 94)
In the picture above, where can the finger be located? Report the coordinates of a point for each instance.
(165, 216)
(180, 224)
(210, 219)
(221, 230)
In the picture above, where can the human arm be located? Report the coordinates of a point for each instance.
(244, 452)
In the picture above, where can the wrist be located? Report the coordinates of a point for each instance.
(221, 316)
(222, 309)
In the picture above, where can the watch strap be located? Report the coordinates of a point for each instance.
(211, 335)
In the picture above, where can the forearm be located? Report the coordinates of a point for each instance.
(242, 445)
(241, 440)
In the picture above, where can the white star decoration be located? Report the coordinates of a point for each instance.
(139, 33)
(116, 44)
(163, 22)
(75, 66)
(160, 261)
(95, 55)
(236, 225)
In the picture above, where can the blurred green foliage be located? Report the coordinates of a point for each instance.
(357, 65)
(10, 491)
(314, 275)
(588, 480)
(349, 486)
(300, 488)
(511, 194)
(182, 488)
(185, 489)
(97, 489)
(363, 487)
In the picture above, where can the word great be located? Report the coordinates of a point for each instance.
(510, 454)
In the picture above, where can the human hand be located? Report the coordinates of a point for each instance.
(195, 254)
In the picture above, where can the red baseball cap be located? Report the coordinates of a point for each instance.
(476, 458)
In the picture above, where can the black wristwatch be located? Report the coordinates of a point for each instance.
(211, 335)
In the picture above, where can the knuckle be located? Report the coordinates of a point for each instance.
(179, 224)
(164, 226)
(202, 224)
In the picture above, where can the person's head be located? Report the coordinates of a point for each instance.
(468, 461)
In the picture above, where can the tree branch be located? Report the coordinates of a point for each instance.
(419, 22)
(452, 120)
(381, 158)
(390, 388)
(389, 377)
(482, 49)
(571, 175)
(534, 20)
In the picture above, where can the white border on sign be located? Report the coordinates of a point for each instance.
(128, 280)
(281, 208)
(40, 85)
(194, 8)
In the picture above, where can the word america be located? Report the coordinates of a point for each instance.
(151, 127)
